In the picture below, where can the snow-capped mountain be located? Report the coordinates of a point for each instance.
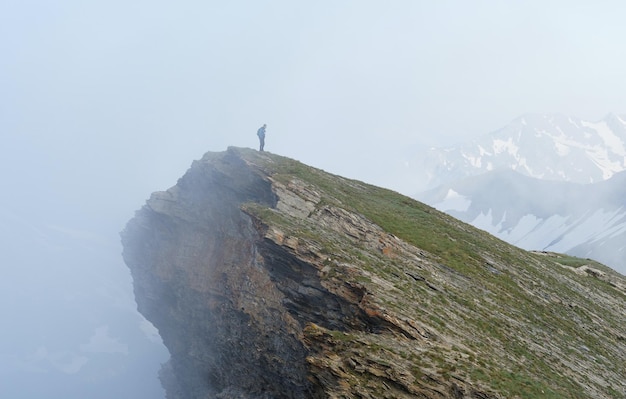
(548, 147)
(585, 220)
(543, 182)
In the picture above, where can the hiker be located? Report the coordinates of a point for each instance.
(261, 134)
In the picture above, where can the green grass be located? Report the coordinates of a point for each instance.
(527, 296)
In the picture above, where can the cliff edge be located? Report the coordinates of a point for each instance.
(267, 278)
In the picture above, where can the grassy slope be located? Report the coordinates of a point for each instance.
(517, 321)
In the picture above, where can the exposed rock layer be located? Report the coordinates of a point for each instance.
(266, 284)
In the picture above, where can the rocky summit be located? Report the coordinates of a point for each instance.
(267, 278)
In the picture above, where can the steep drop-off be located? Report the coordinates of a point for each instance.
(270, 279)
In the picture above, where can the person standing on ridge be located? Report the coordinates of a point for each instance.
(261, 134)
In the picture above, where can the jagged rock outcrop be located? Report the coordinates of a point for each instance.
(270, 279)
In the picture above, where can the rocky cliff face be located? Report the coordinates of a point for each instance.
(270, 279)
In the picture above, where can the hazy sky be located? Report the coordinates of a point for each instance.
(103, 102)
(122, 95)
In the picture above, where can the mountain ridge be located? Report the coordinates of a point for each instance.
(268, 278)
(585, 151)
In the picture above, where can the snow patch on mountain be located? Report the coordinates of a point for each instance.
(556, 233)
(505, 146)
(531, 232)
(610, 139)
(561, 149)
(455, 201)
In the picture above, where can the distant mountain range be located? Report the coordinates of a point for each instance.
(548, 147)
(585, 220)
(544, 182)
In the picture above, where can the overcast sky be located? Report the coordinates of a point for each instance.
(122, 95)
(103, 102)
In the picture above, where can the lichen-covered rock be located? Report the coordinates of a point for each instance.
(270, 279)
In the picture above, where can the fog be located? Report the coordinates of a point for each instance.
(104, 102)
